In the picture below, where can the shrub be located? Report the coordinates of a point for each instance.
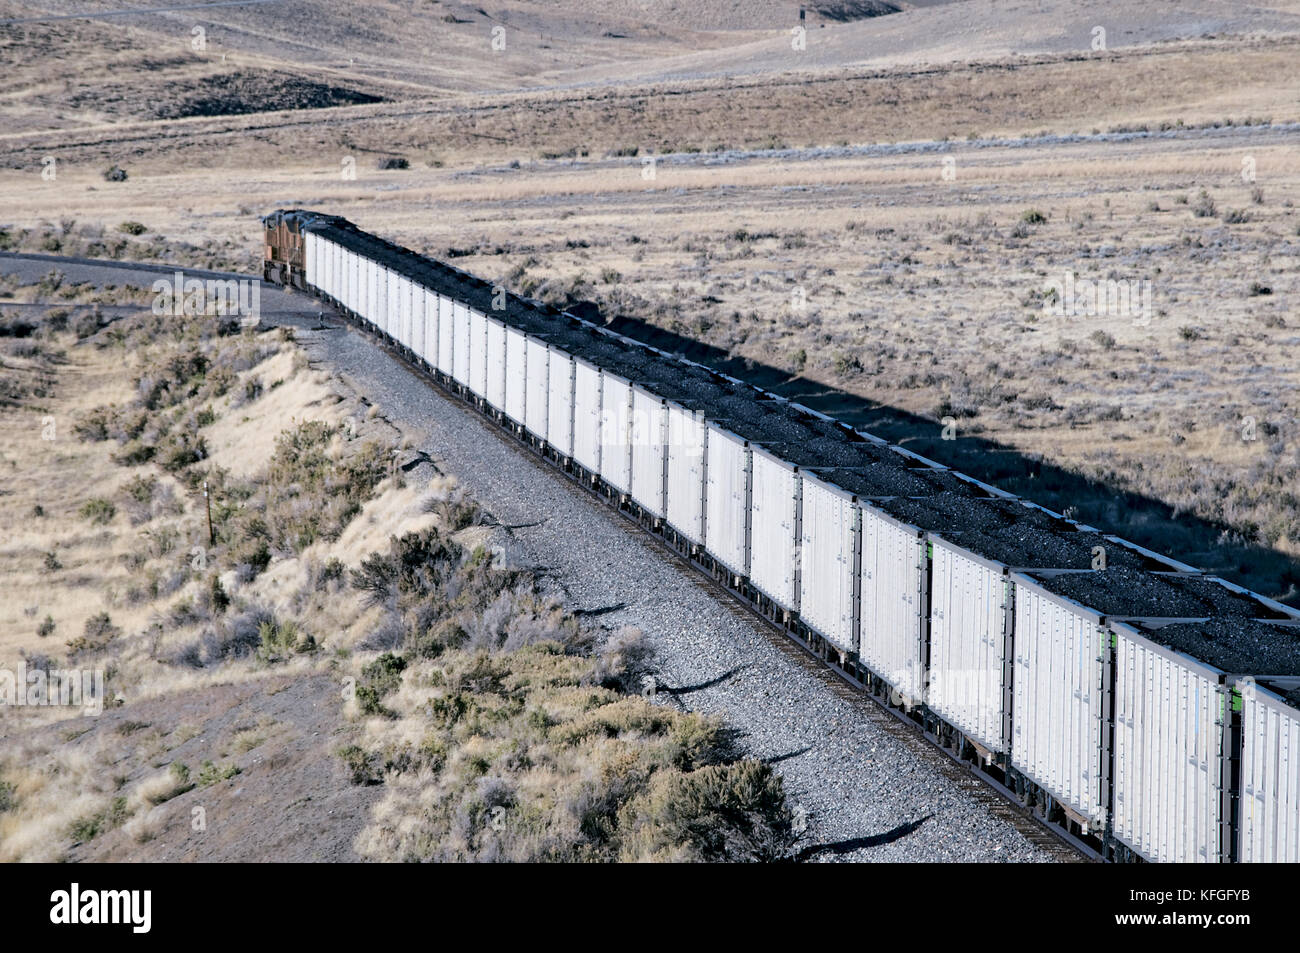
(1033, 217)
(251, 556)
(85, 828)
(132, 228)
(46, 628)
(141, 488)
(279, 640)
(718, 813)
(252, 390)
(361, 765)
(312, 493)
(138, 496)
(217, 597)
(175, 782)
(93, 426)
(1204, 207)
(323, 578)
(234, 637)
(847, 365)
(91, 826)
(180, 450)
(114, 174)
(622, 660)
(392, 162)
(379, 678)
(456, 512)
(98, 511)
(415, 565)
(135, 453)
(85, 325)
(98, 632)
(209, 773)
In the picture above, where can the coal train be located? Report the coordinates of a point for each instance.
(1141, 708)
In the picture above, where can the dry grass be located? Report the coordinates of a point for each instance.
(130, 572)
(524, 757)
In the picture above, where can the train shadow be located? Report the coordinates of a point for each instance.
(701, 686)
(599, 610)
(1207, 544)
(778, 758)
(838, 848)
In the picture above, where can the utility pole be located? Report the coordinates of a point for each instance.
(212, 536)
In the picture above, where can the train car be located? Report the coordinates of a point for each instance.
(516, 375)
(775, 506)
(892, 592)
(432, 333)
(494, 362)
(688, 436)
(649, 436)
(537, 387)
(586, 415)
(828, 563)
(616, 432)
(1169, 727)
(1269, 825)
(477, 348)
(375, 295)
(1059, 739)
(970, 640)
(460, 348)
(726, 499)
(393, 312)
(561, 382)
(446, 337)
